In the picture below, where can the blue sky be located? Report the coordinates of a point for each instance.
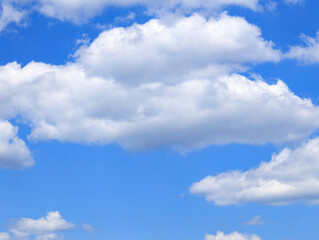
(144, 120)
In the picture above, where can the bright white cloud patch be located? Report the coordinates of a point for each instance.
(43, 228)
(9, 14)
(13, 150)
(176, 50)
(290, 176)
(308, 53)
(160, 84)
(231, 236)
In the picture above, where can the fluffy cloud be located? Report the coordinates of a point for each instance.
(4, 236)
(176, 50)
(44, 228)
(231, 236)
(290, 176)
(81, 10)
(160, 84)
(13, 151)
(308, 53)
(63, 103)
(9, 14)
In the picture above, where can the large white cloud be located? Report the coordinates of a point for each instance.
(307, 53)
(176, 50)
(63, 103)
(155, 85)
(232, 236)
(290, 176)
(43, 228)
(13, 151)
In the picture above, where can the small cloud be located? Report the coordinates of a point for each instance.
(14, 153)
(88, 228)
(293, 1)
(271, 6)
(231, 236)
(257, 220)
(43, 228)
(84, 41)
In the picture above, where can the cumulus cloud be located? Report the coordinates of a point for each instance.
(13, 151)
(63, 103)
(289, 177)
(307, 53)
(9, 14)
(231, 236)
(44, 228)
(156, 85)
(80, 11)
(177, 50)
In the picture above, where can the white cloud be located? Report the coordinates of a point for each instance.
(63, 103)
(44, 228)
(88, 228)
(142, 90)
(308, 53)
(176, 50)
(81, 10)
(110, 95)
(50, 236)
(13, 150)
(289, 177)
(9, 14)
(231, 236)
(257, 220)
(4, 236)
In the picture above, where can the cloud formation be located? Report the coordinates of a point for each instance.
(307, 53)
(79, 11)
(88, 228)
(289, 177)
(111, 94)
(257, 220)
(231, 236)
(44, 228)
(170, 51)
(10, 14)
(14, 153)
(63, 103)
